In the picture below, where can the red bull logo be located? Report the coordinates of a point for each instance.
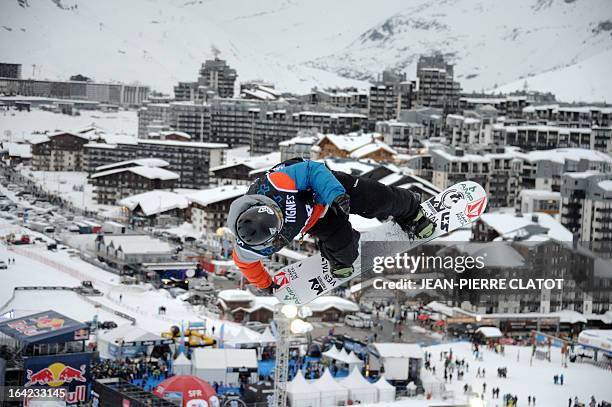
(55, 375)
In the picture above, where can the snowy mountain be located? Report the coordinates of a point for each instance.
(303, 43)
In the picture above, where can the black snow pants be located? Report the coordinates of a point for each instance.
(338, 241)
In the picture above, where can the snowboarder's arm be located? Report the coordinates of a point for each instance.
(316, 176)
(254, 271)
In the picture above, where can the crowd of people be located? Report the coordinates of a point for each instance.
(145, 374)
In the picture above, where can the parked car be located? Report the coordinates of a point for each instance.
(366, 318)
(354, 321)
(3, 265)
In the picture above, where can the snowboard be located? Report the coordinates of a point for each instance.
(451, 209)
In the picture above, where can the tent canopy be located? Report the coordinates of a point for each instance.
(342, 356)
(267, 336)
(244, 337)
(130, 335)
(327, 384)
(209, 358)
(299, 385)
(355, 381)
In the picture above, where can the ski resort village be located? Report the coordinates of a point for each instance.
(306, 204)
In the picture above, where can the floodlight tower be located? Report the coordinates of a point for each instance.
(286, 323)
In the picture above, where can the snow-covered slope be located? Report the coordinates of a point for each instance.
(588, 80)
(301, 43)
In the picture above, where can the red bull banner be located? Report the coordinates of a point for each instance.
(69, 371)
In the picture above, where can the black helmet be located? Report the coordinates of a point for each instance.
(258, 224)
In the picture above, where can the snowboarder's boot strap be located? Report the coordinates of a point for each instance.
(420, 227)
(342, 271)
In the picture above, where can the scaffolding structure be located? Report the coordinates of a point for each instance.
(281, 368)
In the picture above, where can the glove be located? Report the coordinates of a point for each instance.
(271, 288)
(343, 203)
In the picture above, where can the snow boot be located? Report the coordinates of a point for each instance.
(418, 227)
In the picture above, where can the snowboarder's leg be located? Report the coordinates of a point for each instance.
(371, 199)
(338, 242)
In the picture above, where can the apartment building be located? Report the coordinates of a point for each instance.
(349, 98)
(435, 84)
(209, 207)
(299, 146)
(113, 93)
(8, 70)
(389, 96)
(190, 160)
(545, 137)
(61, 151)
(569, 116)
(272, 127)
(537, 200)
(153, 117)
(401, 135)
(509, 106)
(586, 205)
(116, 181)
(217, 75)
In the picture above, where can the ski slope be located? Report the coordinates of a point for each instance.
(299, 44)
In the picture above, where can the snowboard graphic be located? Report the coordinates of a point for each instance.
(453, 208)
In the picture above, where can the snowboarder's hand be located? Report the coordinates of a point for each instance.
(343, 203)
(271, 288)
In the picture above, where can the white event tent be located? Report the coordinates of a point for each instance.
(301, 393)
(332, 392)
(359, 388)
(181, 365)
(386, 391)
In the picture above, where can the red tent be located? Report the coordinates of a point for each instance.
(440, 323)
(195, 392)
(423, 317)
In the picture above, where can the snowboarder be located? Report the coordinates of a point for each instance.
(300, 196)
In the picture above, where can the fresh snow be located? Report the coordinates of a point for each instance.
(17, 126)
(162, 43)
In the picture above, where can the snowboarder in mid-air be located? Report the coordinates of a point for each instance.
(300, 196)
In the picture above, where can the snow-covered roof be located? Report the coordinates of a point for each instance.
(167, 133)
(327, 302)
(146, 162)
(510, 225)
(398, 350)
(539, 194)
(184, 143)
(262, 161)
(18, 150)
(489, 332)
(154, 202)
(307, 140)
(464, 158)
(206, 197)
(146, 172)
(370, 148)
(135, 244)
(236, 295)
(606, 185)
(348, 142)
(119, 139)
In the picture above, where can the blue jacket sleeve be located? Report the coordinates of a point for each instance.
(310, 174)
